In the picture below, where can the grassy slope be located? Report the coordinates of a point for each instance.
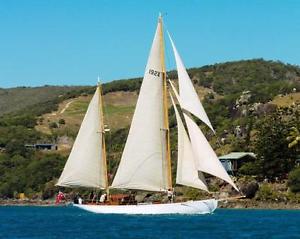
(287, 100)
(118, 111)
(15, 99)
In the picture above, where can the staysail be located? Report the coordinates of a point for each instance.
(207, 160)
(143, 164)
(187, 172)
(188, 96)
(84, 167)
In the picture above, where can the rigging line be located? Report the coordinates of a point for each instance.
(168, 55)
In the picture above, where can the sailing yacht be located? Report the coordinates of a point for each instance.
(146, 162)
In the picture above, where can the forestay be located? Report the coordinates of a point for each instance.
(188, 95)
(84, 165)
(187, 173)
(143, 165)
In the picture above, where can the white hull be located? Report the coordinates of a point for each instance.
(189, 207)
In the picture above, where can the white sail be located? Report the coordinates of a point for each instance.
(188, 95)
(187, 173)
(207, 160)
(84, 167)
(143, 164)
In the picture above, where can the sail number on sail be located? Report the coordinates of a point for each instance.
(155, 73)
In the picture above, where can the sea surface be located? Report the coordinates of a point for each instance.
(70, 222)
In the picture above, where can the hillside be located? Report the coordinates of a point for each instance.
(15, 99)
(265, 79)
(118, 110)
(240, 98)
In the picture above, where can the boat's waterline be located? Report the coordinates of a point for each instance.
(189, 207)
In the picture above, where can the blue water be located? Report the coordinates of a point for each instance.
(69, 222)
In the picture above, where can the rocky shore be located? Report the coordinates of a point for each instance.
(255, 204)
(29, 202)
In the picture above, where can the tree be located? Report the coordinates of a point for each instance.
(294, 138)
(272, 148)
(294, 180)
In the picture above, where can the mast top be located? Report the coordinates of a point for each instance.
(98, 80)
(160, 17)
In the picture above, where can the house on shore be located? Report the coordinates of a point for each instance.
(233, 161)
(41, 146)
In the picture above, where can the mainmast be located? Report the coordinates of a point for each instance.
(165, 106)
(103, 158)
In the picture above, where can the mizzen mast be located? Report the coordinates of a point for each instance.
(102, 128)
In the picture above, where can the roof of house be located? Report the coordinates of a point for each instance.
(237, 155)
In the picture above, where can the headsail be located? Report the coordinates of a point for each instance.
(84, 167)
(189, 98)
(187, 172)
(143, 164)
(208, 161)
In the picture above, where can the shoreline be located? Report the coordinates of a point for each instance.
(223, 204)
(256, 204)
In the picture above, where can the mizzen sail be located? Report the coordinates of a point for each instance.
(84, 167)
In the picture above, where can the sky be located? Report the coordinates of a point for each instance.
(71, 42)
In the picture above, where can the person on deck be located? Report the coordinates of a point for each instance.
(80, 200)
(170, 194)
(93, 197)
(102, 198)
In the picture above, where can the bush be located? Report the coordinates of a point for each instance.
(62, 121)
(49, 190)
(294, 180)
(265, 193)
(53, 125)
(250, 168)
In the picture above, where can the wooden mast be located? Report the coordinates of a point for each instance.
(165, 105)
(104, 163)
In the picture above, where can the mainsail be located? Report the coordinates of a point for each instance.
(85, 166)
(187, 172)
(188, 96)
(143, 164)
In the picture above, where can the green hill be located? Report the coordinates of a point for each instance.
(241, 94)
(15, 99)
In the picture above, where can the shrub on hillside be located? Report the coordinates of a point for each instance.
(250, 168)
(265, 193)
(53, 125)
(294, 180)
(62, 121)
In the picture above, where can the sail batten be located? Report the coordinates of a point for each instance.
(187, 173)
(84, 167)
(188, 95)
(143, 164)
